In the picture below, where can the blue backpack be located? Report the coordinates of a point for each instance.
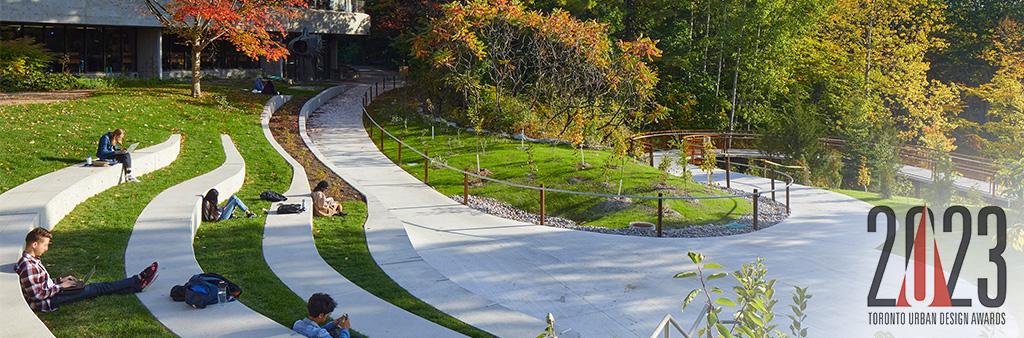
(201, 290)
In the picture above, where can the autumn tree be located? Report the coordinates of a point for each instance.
(1005, 93)
(247, 24)
(568, 72)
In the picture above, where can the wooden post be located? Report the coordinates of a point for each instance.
(659, 213)
(542, 211)
(465, 189)
(728, 168)
(382, 139)
(650, 153)
(366, 98)
(755, 208)
(399, 151)
(426, 166)
(787, 200)
(773, 184)
(375, 89)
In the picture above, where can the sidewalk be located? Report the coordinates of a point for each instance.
(620, 286)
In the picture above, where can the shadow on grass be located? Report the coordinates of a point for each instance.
(62, 159)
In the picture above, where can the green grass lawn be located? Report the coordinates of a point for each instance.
(558, 167)
(41, 138)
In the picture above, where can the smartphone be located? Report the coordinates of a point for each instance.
(344, 317)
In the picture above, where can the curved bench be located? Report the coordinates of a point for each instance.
(164, 233)
(43, 202)
(289, 249)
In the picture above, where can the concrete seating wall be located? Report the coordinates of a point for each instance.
(164, 233)
(44, 201)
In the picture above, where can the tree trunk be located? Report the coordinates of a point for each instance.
(197, 50)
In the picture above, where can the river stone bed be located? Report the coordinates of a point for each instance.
(770, 213)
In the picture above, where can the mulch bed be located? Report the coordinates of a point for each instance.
(284, 124)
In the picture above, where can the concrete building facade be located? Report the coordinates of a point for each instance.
(119, 38)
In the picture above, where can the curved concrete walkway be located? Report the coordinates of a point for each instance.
(619, 286)
(291, 253)
(164, 233)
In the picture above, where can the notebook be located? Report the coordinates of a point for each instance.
(80, 284)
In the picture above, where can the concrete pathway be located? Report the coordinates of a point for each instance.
(619, 286)
(291, 253)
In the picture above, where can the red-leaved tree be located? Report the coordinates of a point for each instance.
(248, 24)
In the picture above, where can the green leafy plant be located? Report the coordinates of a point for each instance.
(549, 332)
(754, 300)
(23, 56)
(708, 165)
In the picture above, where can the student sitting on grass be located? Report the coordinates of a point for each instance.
(211, 213)
(47, 294)
(324, 206)
(108, 149)
(319, 306)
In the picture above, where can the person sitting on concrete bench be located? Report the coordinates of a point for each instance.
(319, 306)
(324, 206)
(47, 294)
(108, 150)
(212, 213)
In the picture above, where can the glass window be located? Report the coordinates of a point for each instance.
(112, 49)
(128, 49)
(94, 49)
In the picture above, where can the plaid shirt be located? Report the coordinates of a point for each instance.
(36, 284)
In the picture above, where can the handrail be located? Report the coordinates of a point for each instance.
(663, 327)
(789, 182)
(969, 166)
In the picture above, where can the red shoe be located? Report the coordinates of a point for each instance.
(147, 276)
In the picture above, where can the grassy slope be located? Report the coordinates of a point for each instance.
(556, 165)
(65, 132)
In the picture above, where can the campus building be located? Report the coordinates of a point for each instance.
(118, 38)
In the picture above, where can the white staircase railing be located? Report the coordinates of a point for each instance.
(664, 330)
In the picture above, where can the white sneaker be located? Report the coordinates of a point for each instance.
(130, 178)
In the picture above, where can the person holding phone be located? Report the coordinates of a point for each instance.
(320, 305)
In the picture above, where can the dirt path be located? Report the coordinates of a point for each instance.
(44, 97)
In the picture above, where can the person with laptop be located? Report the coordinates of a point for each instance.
(108, 150)
(47, 294)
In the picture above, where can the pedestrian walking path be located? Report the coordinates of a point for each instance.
(601, 285)
(290, 251)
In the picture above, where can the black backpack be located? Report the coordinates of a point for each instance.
(201, 290)
(290, 208)
(272, 196)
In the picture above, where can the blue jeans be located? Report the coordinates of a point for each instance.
(121, 158)
(229, 207)
(93, 290)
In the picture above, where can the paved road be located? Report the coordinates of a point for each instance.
(618, 286)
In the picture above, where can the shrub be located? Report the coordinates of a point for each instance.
(23, 56)
(37, 82)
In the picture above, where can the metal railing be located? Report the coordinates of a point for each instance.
(664, 329)
(968, 166)
(374, 90)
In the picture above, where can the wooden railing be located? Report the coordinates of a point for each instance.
(691, 141)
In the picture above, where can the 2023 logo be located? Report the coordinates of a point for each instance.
(916, 246)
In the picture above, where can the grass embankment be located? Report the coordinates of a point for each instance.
(42, 138)
(341, 241)
(559, 167)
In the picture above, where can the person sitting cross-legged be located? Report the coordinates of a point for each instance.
(47, 294)
(212, 213)
(319, 306)
(108, 150)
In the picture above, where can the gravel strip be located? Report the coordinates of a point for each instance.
(769, 213)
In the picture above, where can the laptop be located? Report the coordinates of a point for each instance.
(131, 148)
(80, 284)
